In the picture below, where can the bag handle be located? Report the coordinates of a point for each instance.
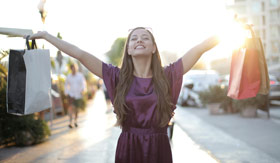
(250, 28)
(33, 45)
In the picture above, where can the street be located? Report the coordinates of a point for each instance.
(232, 138)
(95, 140)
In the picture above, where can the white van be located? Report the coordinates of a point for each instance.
(195, 81)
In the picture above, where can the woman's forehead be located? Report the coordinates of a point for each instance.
(140, 32)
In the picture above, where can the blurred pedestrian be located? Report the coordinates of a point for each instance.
(75, 85)
(143, 93)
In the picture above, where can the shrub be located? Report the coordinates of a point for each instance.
(260, 102)
(214, 94)
(21, 130)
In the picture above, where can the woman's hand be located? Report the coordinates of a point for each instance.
(192, 56)
(38, 35)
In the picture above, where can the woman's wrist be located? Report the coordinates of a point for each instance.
(210, 43)
(45, 35)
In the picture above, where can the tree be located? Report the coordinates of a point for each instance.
(116, 52)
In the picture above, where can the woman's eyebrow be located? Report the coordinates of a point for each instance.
(144, 34)
(141, 35)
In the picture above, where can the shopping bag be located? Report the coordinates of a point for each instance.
(245, 76)
(265, 82)
(29, 80)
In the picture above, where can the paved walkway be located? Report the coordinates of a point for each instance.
(94, 141)
(198, 137)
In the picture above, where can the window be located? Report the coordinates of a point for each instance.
(274, 3)
(263, 20)
(273, 16)
(256, 7)
(274, 32)
(275, 47)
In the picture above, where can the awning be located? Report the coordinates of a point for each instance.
(15, 32)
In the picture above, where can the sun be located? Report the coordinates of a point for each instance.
(231, 33)
(234, 35)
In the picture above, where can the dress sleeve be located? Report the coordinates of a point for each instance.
(110, 76)
(174, 73)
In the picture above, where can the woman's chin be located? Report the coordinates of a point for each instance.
(141, 55)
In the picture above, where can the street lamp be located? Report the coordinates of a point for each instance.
(43, 12)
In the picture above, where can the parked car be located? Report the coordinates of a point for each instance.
(224, 81)
(194, 82)
(274, 93)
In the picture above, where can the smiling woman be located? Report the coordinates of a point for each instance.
(140, 43)
(144, 94)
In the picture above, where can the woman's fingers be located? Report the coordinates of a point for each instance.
(31, 37)
(37, 35)
(25, 36)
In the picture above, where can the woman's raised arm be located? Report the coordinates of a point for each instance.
(192, 56)
(88, 60)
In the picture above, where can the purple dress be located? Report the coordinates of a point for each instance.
(141, 140)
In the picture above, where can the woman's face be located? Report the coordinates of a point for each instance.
(141, 43)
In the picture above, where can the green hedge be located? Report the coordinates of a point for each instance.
(19, 130)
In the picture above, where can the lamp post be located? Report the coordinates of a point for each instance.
(42, 11)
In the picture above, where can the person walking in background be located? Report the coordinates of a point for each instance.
(143, 93)
(75, 85)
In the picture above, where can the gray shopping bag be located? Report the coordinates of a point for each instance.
(29, 80)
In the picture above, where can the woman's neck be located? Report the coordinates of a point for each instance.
(142, 67)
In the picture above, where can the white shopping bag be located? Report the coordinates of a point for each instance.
(29, 81)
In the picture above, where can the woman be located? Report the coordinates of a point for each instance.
(144, 94)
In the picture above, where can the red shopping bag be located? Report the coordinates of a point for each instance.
(244, 79)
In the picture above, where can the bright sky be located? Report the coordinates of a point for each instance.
(93, 25)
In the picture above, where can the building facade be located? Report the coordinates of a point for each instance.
(265, 16)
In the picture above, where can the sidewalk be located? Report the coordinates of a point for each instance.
(95, 141)
(198, 137)
(232, 138)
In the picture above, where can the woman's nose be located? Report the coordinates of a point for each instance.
(139, 40)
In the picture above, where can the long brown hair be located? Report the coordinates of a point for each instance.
(160, 82)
